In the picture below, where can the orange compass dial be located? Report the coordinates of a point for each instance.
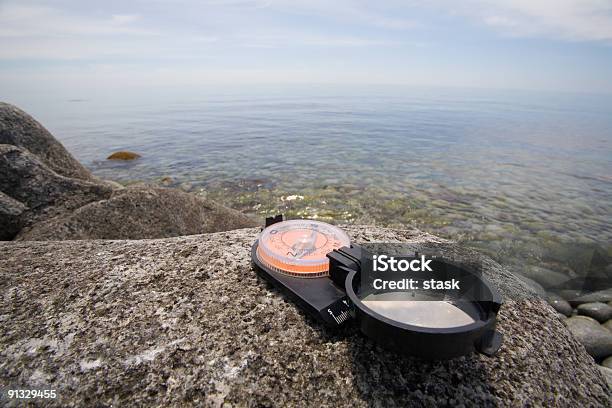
(299, 247)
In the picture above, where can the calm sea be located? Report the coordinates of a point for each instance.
(516, 174)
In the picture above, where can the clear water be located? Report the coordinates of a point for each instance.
(512, 173)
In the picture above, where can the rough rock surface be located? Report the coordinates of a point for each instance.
(11, 212)
(22, 130)
(186, 322)
(25, 178)
(139, 213)
(607, 373)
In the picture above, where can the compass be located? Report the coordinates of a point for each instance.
(300, 247)
(317, 267)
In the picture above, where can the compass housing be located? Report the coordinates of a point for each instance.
(299, 247)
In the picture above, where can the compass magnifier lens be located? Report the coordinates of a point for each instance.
(422, 313)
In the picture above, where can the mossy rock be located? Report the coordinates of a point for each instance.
(123, 155)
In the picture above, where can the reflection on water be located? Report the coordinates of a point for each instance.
(514, 174)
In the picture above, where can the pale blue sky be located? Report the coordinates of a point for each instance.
(517, 44)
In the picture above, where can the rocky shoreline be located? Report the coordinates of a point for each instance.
(95, 308)
(47, 194)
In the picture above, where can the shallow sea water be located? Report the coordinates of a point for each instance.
(524, 177)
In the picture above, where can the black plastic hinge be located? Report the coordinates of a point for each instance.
(274, 220)
(342, 261)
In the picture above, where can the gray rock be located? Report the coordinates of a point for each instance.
(545, 277)
(599, 296)
(25, 178)
(11, 212)
(139, 213)
(20, 129)
(607, 373)
(596, 339)
(559, 304)
(608, 325)
(607, 362)
(597, 310)
(570, 294)
(186, 322)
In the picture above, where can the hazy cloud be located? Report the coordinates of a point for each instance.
(17, 20)
(390, 41)
(574, 20)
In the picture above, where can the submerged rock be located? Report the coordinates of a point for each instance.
(599, 296)
(596, 339)
(597, 310)
(545, 277)
(560, 305)
(186, 321)
(19, 129)
(570, 294)
(46, 194)
(139, 213)
(123, 155)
